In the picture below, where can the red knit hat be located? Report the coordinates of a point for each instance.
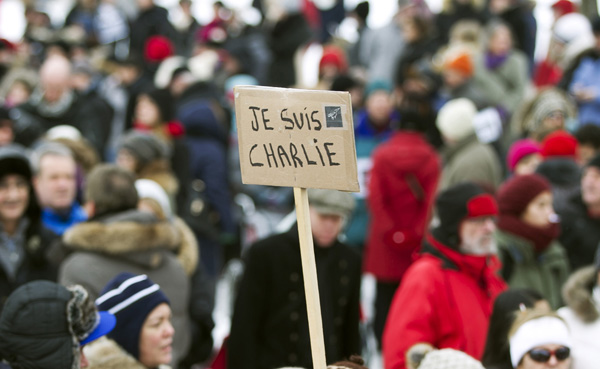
(460, 202)
(158, 48)
(564, 7)
(516, 193)
(334, 55)
(559, 143)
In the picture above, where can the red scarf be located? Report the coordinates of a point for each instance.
(171, 129)
(541, 237)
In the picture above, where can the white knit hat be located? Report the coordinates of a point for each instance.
(455, 119)
(449, 359)
(147, 188)
(541, 331)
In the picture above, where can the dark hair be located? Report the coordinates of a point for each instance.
(588, 134)
(596, 25)
(14, 160)
(506, 306)
(344, 82)
(362, 10)
(414, 116)
(111, 189)
(422, 24)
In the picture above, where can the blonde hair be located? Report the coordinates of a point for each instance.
(528, 315)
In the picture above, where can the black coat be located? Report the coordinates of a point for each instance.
(270, 325)
(150, 22)
(580, 233)
(89, 113)
(285, 38)
(446, 20)
(35, 265)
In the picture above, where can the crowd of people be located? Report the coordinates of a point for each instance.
(121, 200)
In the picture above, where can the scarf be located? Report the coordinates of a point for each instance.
(493, 61)
(540, 237)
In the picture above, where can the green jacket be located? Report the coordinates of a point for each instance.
(545, 273)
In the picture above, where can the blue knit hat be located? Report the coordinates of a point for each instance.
(131, 298)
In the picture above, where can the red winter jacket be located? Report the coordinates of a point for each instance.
(445, 299)
(402, 186)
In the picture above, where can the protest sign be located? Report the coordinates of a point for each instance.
(301, 139)
(296, 138)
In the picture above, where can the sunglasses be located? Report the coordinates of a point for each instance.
(543, 355)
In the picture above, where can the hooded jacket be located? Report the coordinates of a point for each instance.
(445, 299)
(403, 182)
(582, 295)
(135, 242)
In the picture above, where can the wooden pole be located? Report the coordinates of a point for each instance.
(309, 272)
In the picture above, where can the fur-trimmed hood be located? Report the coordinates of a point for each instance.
(107, 354)
(84, 153)
(577, 293)
(136, 232)
(160, 172)
(189, 252)
(132, 234)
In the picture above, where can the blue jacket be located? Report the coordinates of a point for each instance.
(587, 75)
(59, 223)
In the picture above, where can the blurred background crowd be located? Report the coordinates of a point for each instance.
(118, 153)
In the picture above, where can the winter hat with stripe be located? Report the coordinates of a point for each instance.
(131, 298)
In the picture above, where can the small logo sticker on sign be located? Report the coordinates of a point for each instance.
(333, 117)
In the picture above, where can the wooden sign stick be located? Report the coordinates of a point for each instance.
(309, 272)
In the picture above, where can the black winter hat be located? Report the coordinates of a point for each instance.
(145, 147)
(43, 324)
(457, 203)
(594, 162)
(131, 298)
(14, 160)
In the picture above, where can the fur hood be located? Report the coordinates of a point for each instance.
(135, 232)
(107, 354)
(577, 293)
(188, 253)
(127, 232)
(160, 172)
(85, 154)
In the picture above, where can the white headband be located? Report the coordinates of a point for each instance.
(541, 331)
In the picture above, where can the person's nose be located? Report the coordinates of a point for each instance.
(83, 361)
(490, 225)
(13, 191)
(169, 331)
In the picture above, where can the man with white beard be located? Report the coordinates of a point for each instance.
(446, 296)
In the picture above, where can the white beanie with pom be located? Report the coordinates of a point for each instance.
(455, 119)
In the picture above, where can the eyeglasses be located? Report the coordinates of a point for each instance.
(543, 355)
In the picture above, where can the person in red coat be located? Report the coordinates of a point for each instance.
(403, 182)
(446, 296)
